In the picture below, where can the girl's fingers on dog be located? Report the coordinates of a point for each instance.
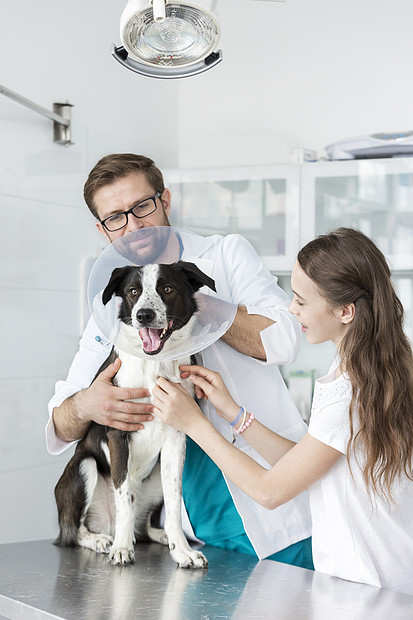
(194, 369)
(202, 384)
(160, 388)
(169, 387)
(157, 394)
(205, 373)
(161, 393)
(158, 406)
(200, 394)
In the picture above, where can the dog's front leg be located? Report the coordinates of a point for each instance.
(122, 551)
(172, 464)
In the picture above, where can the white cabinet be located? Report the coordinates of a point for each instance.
(259, 202)
(282, 206)
(278, 208)
(374, 196)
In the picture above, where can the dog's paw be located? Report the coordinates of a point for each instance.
(163, 538)
(157, 535)
(122, 556)
(101, 543)
(189, 559)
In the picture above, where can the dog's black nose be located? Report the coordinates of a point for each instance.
(145, 315)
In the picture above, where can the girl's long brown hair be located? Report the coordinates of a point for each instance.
(375, 352)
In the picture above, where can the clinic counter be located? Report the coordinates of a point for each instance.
(40, 581)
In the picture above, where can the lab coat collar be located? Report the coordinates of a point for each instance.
(195, 248)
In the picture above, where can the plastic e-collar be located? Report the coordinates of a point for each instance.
(162, 245)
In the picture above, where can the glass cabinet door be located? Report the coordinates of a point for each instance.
(261, 203)
(374, 196)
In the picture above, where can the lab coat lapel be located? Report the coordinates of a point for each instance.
(195, 247)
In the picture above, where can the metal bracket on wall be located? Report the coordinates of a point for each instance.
(61, 121)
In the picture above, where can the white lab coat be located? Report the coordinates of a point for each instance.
(240, 278)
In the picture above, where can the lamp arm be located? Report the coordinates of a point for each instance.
(159, 13)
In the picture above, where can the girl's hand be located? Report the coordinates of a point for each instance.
(211, 385)
(174, 406)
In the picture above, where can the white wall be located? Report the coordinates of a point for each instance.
(312, 71)
(303, 73)
(46, 231)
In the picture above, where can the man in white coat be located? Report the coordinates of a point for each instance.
(119, 189)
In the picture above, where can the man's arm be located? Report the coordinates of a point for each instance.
(263, 327)
(68, 425)
(103, 403)
(244, 333)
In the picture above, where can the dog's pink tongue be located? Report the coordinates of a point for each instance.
(150, 338)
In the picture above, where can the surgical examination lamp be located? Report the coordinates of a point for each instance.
(167, 39)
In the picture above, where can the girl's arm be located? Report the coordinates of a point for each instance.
(209, 384)
(295, 466)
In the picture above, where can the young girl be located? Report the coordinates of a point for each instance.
(357, 457)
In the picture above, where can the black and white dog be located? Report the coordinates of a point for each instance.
(116, 479)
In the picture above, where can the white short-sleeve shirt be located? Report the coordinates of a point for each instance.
(356, 536)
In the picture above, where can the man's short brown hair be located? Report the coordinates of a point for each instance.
(113, 167)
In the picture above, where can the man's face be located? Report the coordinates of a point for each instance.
(122, 195)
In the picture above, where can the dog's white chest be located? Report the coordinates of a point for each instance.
(139, 373)
(144, 448)
(146, 444)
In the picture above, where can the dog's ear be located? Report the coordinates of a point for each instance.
(195, 276)
(114, 285)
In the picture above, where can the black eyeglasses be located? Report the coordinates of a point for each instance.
(141, 209)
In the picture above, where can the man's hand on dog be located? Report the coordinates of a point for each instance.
(110, 405)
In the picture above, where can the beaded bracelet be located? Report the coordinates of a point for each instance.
(246, 424)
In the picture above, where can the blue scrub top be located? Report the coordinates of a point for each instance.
(214, 517)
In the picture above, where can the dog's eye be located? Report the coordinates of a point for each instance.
(168, 289)
(133, 291)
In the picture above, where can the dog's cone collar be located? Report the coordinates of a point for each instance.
(163, 245)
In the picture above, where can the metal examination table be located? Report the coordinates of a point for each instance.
(40, 581)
